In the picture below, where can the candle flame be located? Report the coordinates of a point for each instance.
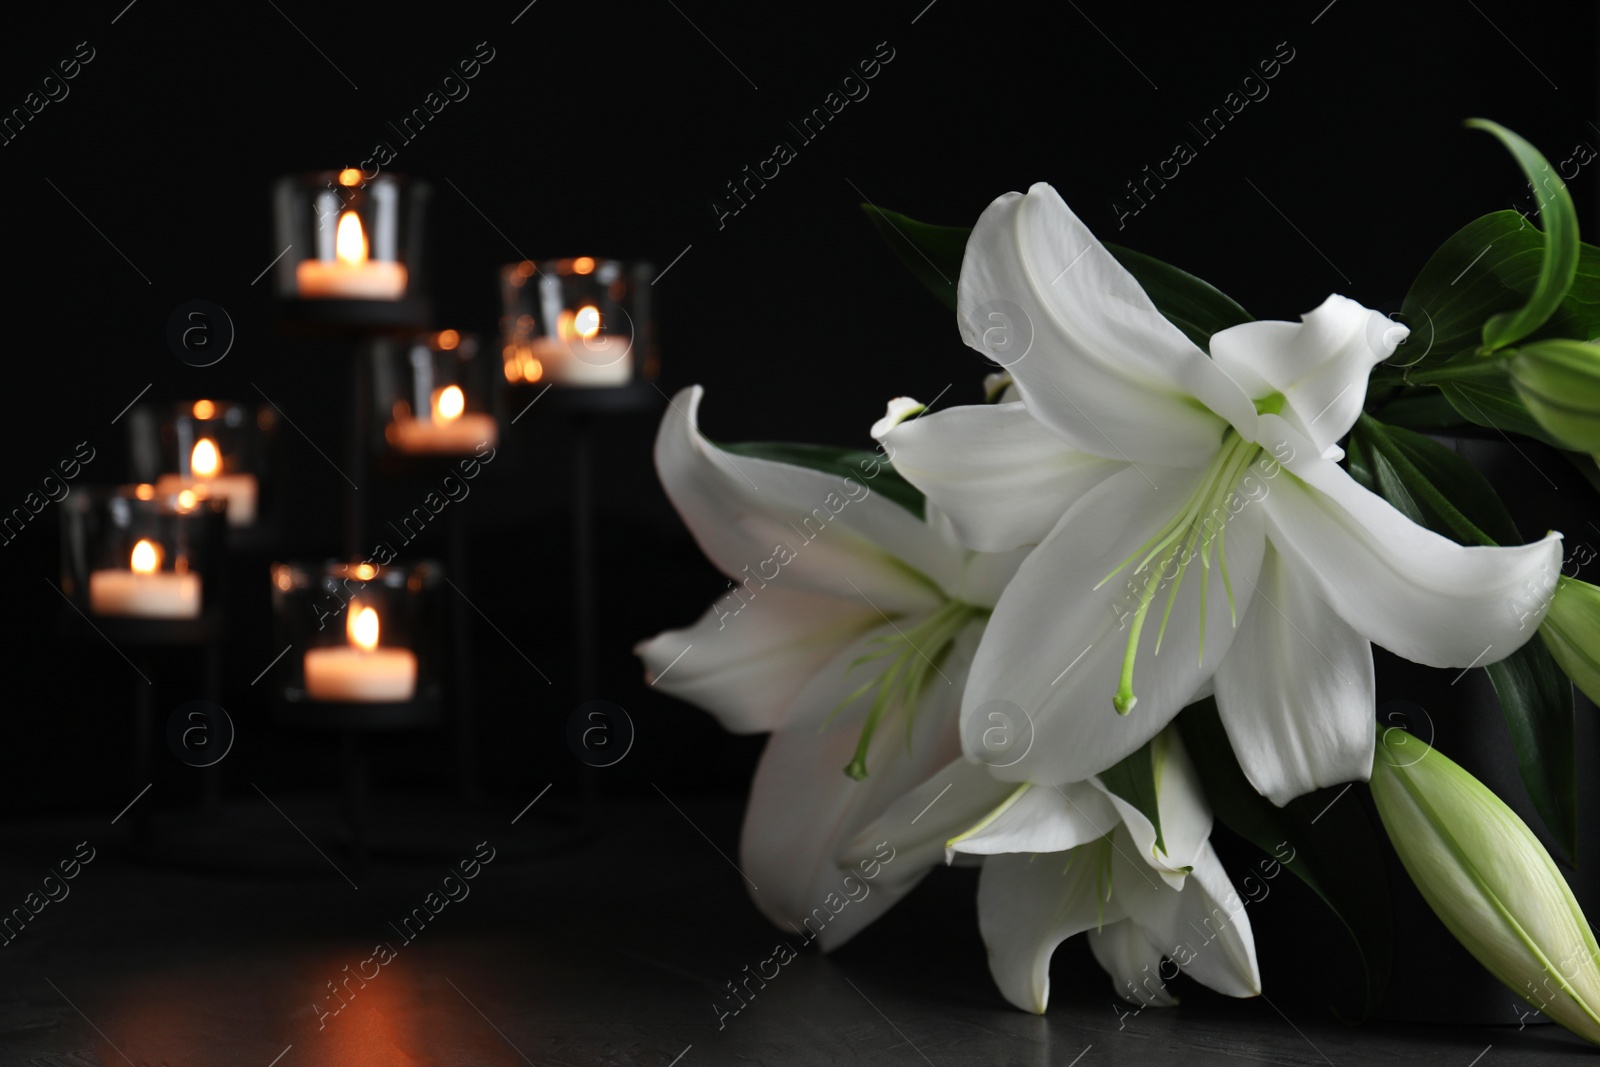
(363, 629)
(366, 571)
(448, 339)
(204, 461)
(350, 243)
(583, 265)
(587, 321)
(349, 176)
(145, 491)
(186, 500)
(204, 409)
(146, 557)
(448, 404)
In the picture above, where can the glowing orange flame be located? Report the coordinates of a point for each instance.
(350, 243)
(146, 557)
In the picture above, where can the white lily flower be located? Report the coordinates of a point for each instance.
(1190, 506)
(1069, 859)
(848, 637)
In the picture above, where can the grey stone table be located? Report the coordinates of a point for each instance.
(609, 952)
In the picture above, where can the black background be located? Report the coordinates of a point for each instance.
(602, 129)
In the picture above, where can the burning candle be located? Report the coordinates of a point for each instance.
(449, 427)
(361, 671)
(580, 354)
(144, 589)
(205, 466)
(350, 275)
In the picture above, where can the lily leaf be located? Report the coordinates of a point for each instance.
(1493, 403)
(1537, 700)
(1328, 842)
(854, 463)
(1456, 499)
(1419, 409)
(1437, 488)
(1194, 306)
(1134, 780)
(1490, 267)
(1559, 264)
(933, 255)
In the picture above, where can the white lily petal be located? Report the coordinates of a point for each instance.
(804, 809)
(917, 825)
(1027, 905)
(1296, 692)
(764, 523)
(1040, 818)
(900, 409)
(1055, 644)
(1204, 929)
(1402, 586)
(745, 662)
(1133, 963)
(1181, 801)
(1086, 348)
(1001, 475)
(1320, 364)
(982, 576)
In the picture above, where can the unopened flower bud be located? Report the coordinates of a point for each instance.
(1487, 877)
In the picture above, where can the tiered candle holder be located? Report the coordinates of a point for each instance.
(365, 645)
(215, 448)
(433, 396)
(352, 249)
(580, 323)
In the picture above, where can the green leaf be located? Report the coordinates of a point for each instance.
(1435, 486)
(1134, 780)
(1194, 306)
(1324, 838)
(845, 462)
(1537, 700)
(1419, 409)
(932, 253)
(1559, 264)
(1488, 267)
(1495, 405)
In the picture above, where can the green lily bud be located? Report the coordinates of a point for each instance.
(1487, 877)
(1559, 382)
(1571, 632)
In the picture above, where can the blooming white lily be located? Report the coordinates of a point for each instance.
(848, 637)
(1062, 860)
(1190, 506)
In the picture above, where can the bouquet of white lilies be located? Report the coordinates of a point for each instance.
(1054, 630)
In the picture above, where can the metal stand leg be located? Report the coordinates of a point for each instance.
(353, 759)
(584, 577)
(465, 712)
(355, 518)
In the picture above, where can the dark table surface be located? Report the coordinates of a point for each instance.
(609, 950)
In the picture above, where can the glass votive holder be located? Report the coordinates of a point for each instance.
(132, 552)
(433, 394)
(580, 322)
(351, 246)
(217, 449)
(359, 635)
